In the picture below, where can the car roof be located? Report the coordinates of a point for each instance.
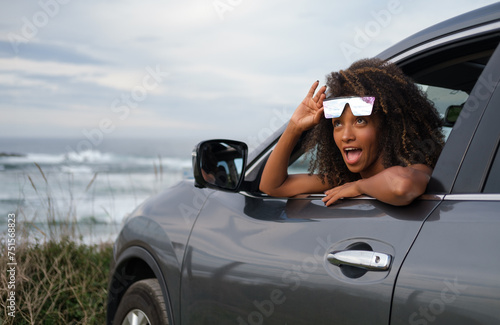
(470, 20)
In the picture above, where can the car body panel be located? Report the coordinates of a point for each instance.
(451, 275)
(239, 261)
(160, 226)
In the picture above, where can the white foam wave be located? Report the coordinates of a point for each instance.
(76, 169)
(90, 157)
(31, 158)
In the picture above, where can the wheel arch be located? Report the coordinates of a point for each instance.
(134, 264)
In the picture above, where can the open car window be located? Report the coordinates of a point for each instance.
(446, 75)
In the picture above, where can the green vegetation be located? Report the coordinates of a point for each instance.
(58, 283)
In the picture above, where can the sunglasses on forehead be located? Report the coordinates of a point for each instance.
(360, 106)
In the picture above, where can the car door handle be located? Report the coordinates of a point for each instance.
(367, 260)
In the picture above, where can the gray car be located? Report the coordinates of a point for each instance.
(215, 250)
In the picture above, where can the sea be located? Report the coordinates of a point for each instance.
(50, 184)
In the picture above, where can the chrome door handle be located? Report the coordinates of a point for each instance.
(367, 260)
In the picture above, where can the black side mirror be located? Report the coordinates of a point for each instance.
(220, 164)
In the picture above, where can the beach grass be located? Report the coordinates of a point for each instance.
(50, 275)
(59, 276)
(57, 282)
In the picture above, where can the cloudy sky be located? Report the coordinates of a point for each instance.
(172, 68)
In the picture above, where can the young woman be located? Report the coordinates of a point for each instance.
(383, 139)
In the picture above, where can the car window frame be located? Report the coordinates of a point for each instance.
(480, 156)
(446, 171)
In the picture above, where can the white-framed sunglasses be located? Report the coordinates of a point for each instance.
(360, 106)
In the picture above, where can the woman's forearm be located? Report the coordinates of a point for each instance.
(276, 170)
(275, 180)
(396, 185)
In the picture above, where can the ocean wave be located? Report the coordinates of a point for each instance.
(77, 169)
(73, 161)
(89, 156)
(31, 158)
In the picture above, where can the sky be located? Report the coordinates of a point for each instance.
(235, 69)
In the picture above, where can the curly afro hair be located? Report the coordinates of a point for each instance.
(409, 130)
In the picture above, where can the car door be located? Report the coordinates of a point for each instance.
(452, 272)
(255, 260)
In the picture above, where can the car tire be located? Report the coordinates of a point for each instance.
(142, 304)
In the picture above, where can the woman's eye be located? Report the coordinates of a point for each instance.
(336, 124)
(360, 120)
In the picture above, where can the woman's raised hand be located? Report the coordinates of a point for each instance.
(275, 180)
(310, 110)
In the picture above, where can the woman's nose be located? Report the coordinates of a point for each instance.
(348, 134)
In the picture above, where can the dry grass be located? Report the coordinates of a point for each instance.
(58, 283)
(57, 280)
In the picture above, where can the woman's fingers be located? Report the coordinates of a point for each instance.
(313, 89)
(331, 196)
(340, 192)
(320, 95)
(318, 115)
(310, 110)
(330, 199)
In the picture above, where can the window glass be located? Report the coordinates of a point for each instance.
(301, 165)
(445, 100)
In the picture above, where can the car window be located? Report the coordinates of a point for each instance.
(443, 99)
(300, 166)
(447, 76)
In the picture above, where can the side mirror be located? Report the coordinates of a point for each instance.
(451, 114)
(220, 164)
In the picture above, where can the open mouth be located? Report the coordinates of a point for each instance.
(352, 155)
